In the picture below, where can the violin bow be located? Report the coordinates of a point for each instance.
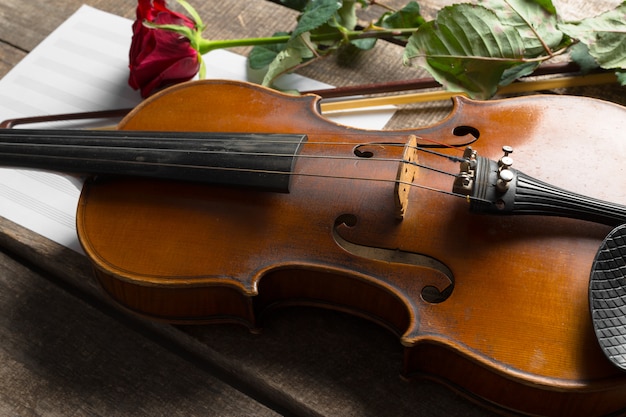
(327, 105)
(514, 88)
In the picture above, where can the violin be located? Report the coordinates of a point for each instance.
(219, 201)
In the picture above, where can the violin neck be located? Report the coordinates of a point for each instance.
(260, 161)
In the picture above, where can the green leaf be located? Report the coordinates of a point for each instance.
(348, 20)
(364, 44)
(320, 17)
(536, 22)
(547, 4)
(346, 15)
(200, 26)
(610, 49)
(295, 53)
(513, 73)
(340, 23)
(261, 56)
(316, 14)
(466, 49)
(621, 77)
(604, 35)
(580, 55)
(408, 17)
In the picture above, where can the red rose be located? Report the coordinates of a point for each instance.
(160, 57)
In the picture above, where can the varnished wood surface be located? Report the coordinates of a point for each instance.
(66, 351)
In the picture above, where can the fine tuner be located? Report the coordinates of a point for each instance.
(465, 181)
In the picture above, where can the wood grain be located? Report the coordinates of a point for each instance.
(61, 356)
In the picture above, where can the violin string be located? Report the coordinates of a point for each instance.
(188, 136)
(267, 138)
(443, 155)
(103, 135)
(243, 153)
(351, 157)
(258, 154)
(313, 175)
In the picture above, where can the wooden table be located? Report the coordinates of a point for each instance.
(66, 351)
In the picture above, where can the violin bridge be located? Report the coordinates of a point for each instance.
(406, 174)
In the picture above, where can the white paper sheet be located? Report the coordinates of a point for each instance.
(83, 66)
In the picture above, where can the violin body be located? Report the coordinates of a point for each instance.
(494, 306)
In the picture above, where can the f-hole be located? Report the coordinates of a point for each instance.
(466, 130)
(430, 293)
(361, 154)
(348, 219)
(365, 150)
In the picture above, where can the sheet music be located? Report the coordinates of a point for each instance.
(83, 66)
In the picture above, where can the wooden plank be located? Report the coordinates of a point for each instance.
(61, 356)
(9, 57)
